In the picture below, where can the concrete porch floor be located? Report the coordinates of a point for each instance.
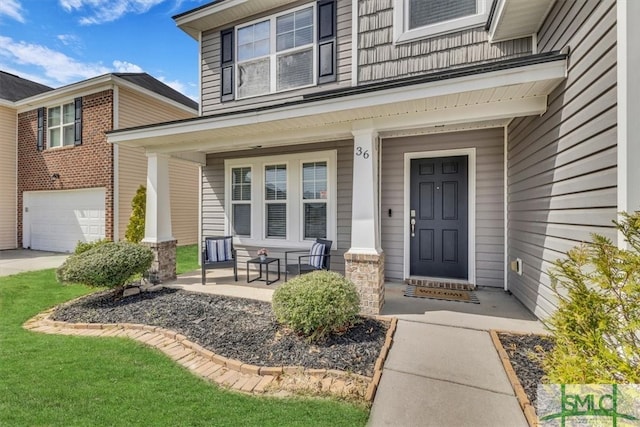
(497, 309)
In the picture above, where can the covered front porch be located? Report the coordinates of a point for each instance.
(280, 176)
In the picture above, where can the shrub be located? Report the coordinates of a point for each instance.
(106, 265)
(135, 228)
(85, 246)
(316, 304)
(596, 327)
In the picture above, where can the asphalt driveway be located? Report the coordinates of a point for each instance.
(16, 261)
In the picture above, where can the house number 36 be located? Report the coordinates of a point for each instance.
(362, 153)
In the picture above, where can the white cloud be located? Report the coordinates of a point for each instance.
(187, 90)
(12, 9)
(56, 66)
(68, 39)
(101, 11)
(126, 67)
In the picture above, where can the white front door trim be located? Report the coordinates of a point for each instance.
(471, 154)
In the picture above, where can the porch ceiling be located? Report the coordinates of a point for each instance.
(488, 98)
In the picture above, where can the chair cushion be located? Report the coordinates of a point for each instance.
(317, 249)
(219, 250)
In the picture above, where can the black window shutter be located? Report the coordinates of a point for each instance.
(40, 129)
(327, 41)
(77, 129)
(226, 65)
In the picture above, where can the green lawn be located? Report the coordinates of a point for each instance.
(58, 380)
(187, 259)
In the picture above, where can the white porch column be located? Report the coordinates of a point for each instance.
(364, 262)
(157, 228)
(628, 14)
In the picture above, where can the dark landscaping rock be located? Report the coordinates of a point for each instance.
(235, 328)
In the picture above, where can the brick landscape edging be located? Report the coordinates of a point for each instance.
(523, 400)
(231, 373)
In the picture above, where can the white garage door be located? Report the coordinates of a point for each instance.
(57, 220)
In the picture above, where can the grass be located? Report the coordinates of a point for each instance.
(187, 258)
(59, 380)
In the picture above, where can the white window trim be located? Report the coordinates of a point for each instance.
(231, 202)
(266, 202)
(402, 33)
(61, 126)
(302, 201)
(294, 198)
(273, 53)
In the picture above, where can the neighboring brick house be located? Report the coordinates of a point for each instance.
(466, 141)
(72, 185)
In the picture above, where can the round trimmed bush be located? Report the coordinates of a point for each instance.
(106, 265)
(316, 304)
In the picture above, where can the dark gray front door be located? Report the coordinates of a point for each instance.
(439, 207)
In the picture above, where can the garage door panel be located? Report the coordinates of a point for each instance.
(57, 220)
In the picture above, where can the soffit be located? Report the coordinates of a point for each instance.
(501, 94)
(513, 19)
(222, 13)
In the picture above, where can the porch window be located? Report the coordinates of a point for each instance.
(314, 199)
(415, 19)
(60, 125)
(276, 53)
(296, 198)
(275, 192)
(241, 201)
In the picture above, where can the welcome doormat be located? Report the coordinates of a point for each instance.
(441, 294)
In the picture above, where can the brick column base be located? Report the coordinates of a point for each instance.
(367, 272)
(164, 260)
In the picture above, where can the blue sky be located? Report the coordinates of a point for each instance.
(58, 42)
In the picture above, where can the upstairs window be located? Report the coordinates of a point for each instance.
(277, 53)
(415, 19)
(60, 125)
(285, 51)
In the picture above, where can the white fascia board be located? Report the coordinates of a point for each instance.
(5, 103)
(206, 11)
(555, 70)
(127, 84)
(96, 83)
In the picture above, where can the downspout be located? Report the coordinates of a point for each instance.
(505, 207)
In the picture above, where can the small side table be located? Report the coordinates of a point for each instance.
(266, 263)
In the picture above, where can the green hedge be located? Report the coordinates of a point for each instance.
(317, 304)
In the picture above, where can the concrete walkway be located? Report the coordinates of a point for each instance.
(16, 261)
(443, 369)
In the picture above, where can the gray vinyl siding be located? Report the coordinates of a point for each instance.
(562, 165)
(210, 54)
(489, 145)
(379, 58)
(213, 197)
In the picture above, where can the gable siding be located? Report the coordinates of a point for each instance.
(8, 179)
(489, 145)
(134, 110)
(213, 186)
(380, 59)
(210, 66)
(562, 166)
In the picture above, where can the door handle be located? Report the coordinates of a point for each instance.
(413, 227)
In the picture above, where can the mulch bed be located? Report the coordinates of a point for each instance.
(235, 328)
(525, 354)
